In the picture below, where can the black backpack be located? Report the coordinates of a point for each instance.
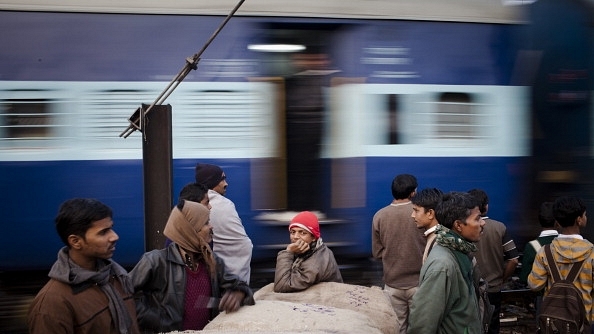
(563, 310)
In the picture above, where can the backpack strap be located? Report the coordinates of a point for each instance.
(573, 272)
(535, 244)
(431, 246)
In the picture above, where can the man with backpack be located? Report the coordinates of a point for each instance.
(573, 256)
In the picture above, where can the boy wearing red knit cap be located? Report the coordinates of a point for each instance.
(306, 260)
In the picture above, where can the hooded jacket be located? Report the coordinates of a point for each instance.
(566, 251)
(71, 302)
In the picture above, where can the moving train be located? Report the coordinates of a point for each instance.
(463, 94)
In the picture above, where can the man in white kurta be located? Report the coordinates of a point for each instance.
(230, 241)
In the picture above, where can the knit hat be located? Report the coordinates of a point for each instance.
(307, 221)
(209, 175)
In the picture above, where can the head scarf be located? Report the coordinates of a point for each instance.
(452, 240)
(182, 228)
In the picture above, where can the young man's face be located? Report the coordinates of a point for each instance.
(298, 233)
(423, 218)
(99, 241)
(472, 227)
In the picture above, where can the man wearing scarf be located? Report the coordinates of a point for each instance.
(87, 292)
(446, 301)
(180, 287)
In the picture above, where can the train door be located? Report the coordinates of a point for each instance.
(561, 100)
(305, 69)
(306, 74)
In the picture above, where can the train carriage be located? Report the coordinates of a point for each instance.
(439, 89)
(67, 92)
(461, 93)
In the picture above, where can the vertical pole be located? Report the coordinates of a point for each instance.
(157, 164)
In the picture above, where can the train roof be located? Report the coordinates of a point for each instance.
(491, 11)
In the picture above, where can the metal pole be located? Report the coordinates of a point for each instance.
(157, 155)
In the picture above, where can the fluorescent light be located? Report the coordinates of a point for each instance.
(276, 47)
(517, 2)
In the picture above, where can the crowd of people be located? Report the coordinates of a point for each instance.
(444, 262)
(452, 281)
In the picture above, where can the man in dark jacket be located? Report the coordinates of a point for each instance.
(87, 292)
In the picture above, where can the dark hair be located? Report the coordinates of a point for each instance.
(427, 198)
(545, 215)
(454, 206)
(75, 216)
(567, 209)
(193, 191)
(481, 198)
(403, 186)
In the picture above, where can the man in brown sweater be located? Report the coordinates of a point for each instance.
(396, 240)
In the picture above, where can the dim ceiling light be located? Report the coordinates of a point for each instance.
(276, 47)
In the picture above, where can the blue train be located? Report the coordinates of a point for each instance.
(461, 94)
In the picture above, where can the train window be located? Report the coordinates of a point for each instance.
(394, 134)
(32, 119)
(105, 112)
(384, 123)
(26, 120)
(455, 117)
(232, 120)
(216, 120)
(431, 120)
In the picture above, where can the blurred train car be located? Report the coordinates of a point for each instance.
(432, 95)
(445, 90)
(461, 93)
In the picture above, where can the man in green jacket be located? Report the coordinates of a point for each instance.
(446, 301)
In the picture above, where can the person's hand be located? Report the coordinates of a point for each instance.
(298, 247)
(231, 301)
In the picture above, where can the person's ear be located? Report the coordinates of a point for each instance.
(580, 221)
(75, 241)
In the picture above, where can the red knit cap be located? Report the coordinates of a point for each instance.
(307, 221)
